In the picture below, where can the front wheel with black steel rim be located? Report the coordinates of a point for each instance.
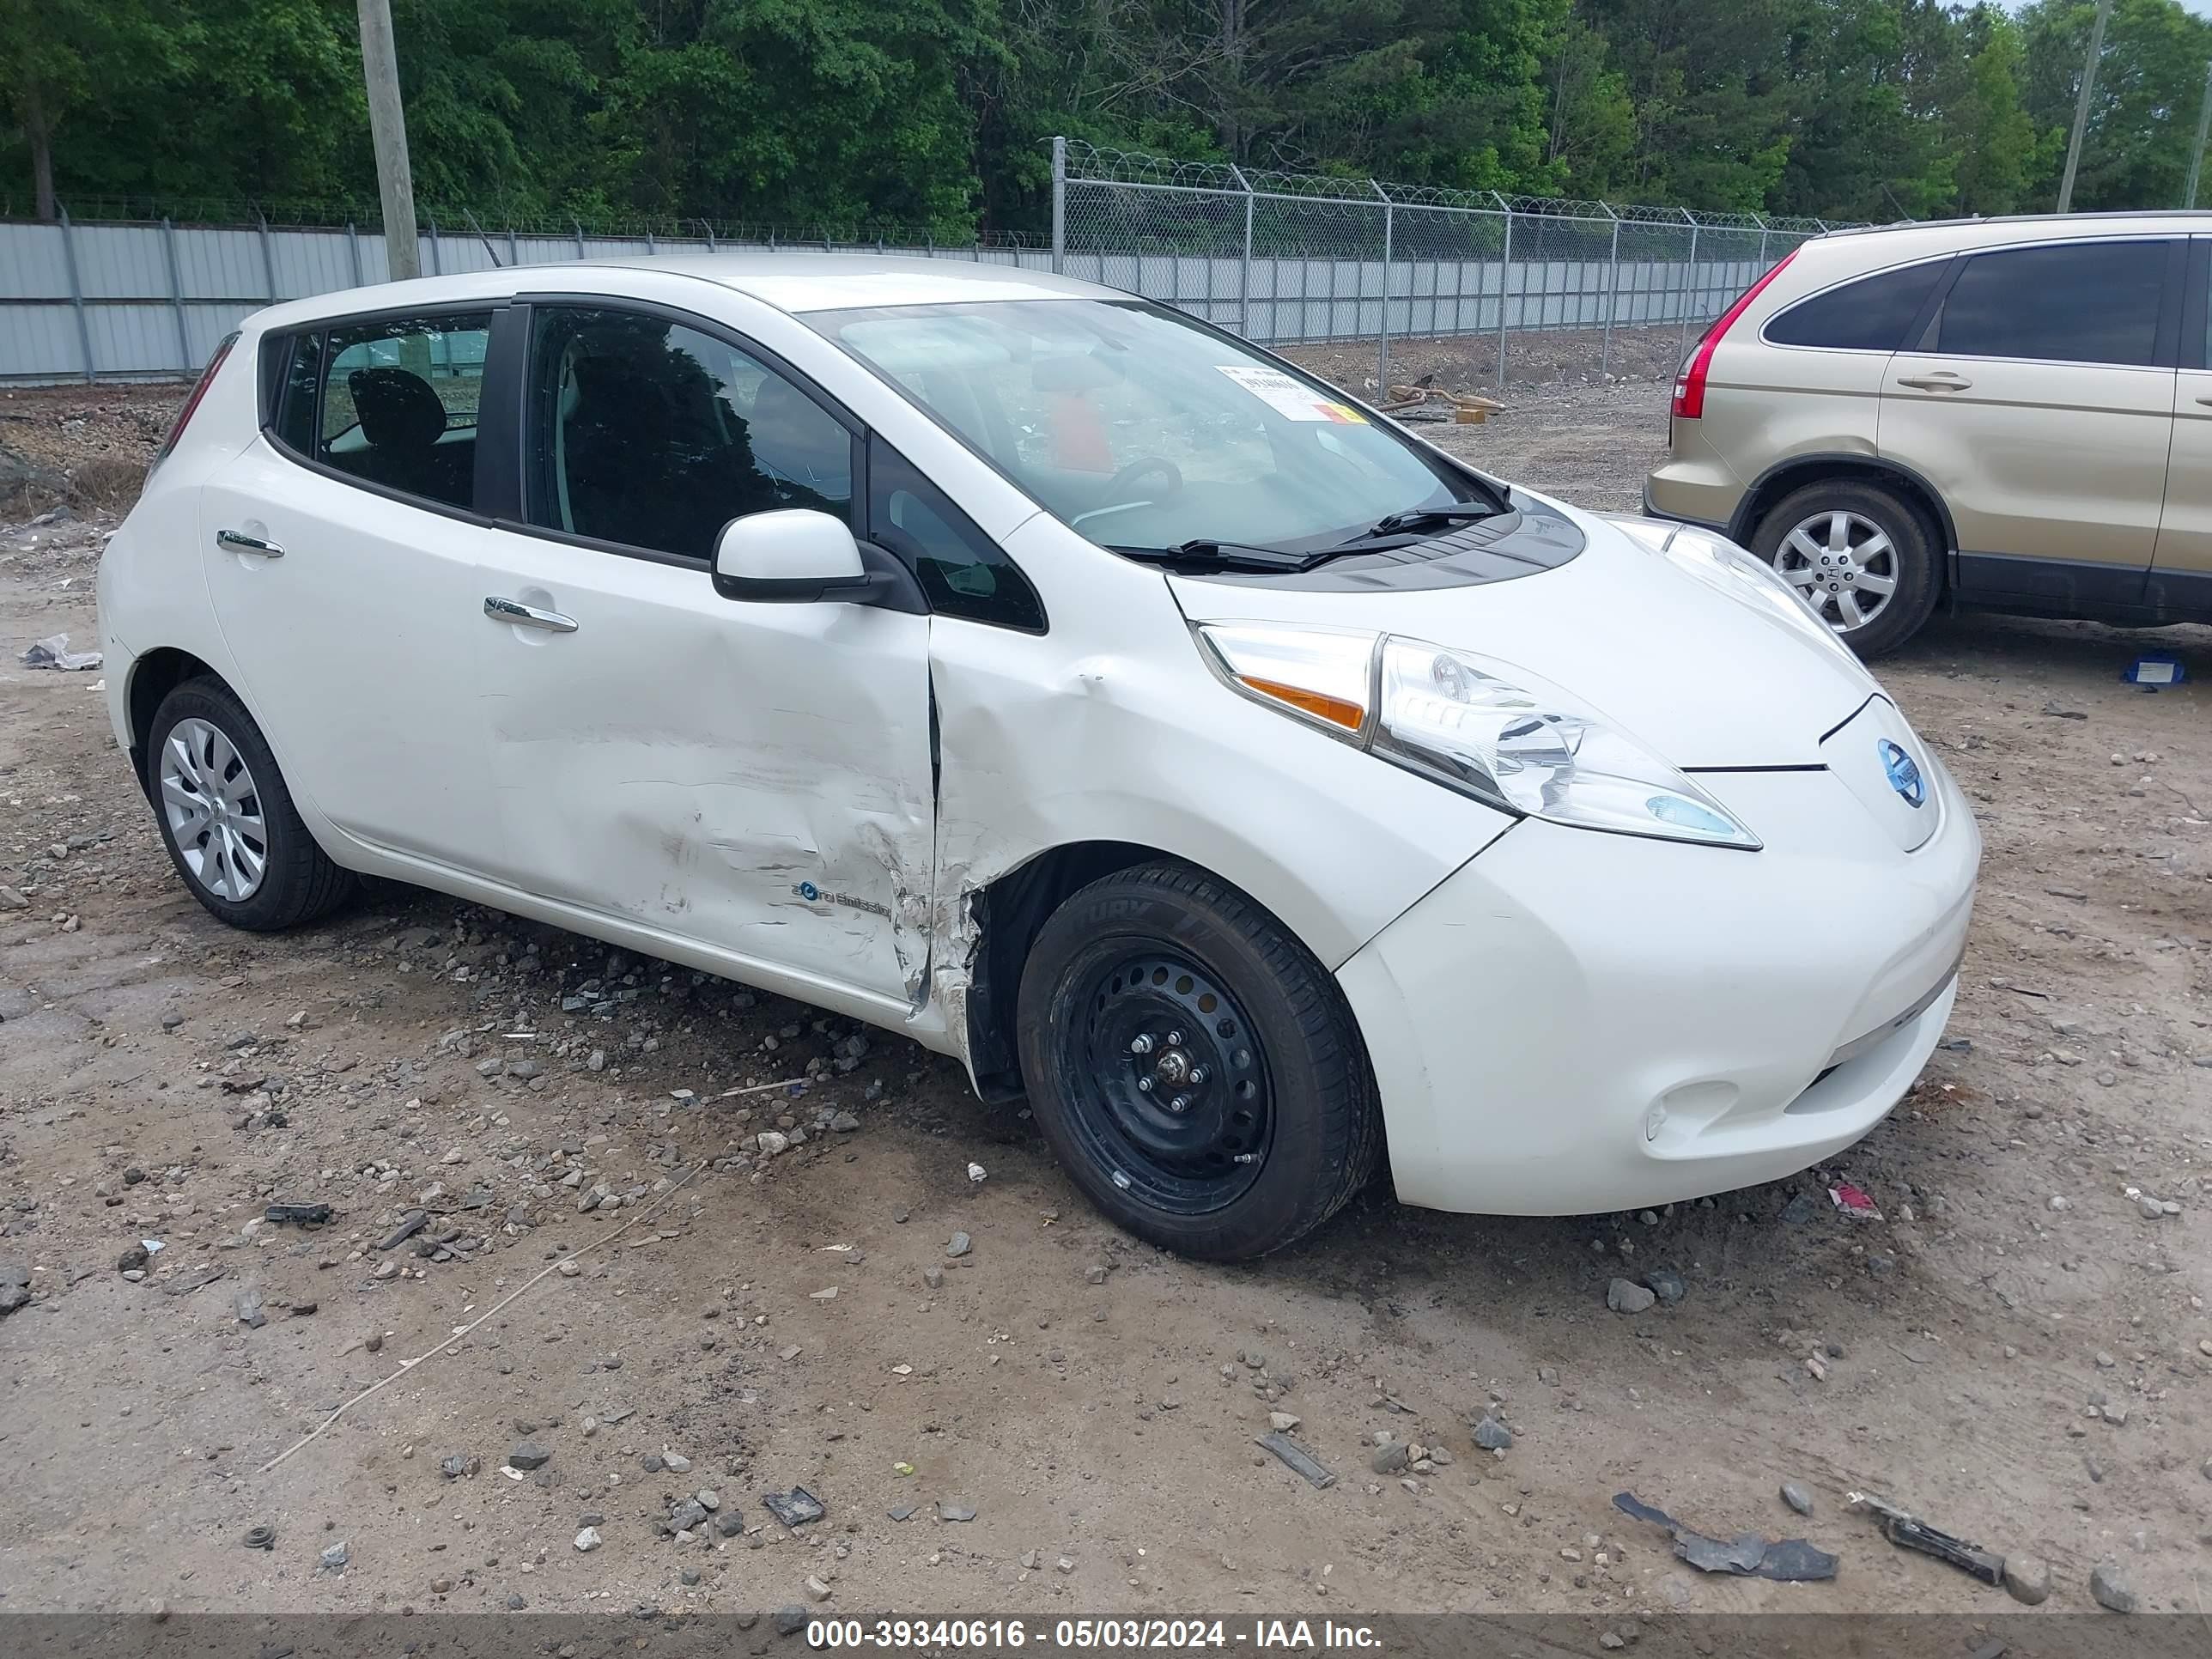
(227, 818)
(1193, 1066)
(1861, 558)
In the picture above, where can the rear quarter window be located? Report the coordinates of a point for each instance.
(1870, 315)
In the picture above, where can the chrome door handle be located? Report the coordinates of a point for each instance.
(528, 615)
(245, 544)
(1941, 381)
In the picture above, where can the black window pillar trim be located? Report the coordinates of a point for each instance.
(499, 414)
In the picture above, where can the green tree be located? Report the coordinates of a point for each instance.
(56, 54)
(2134, 153)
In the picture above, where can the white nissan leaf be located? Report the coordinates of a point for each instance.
(1067, 685)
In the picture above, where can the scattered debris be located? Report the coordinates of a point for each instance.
(975, 1174)
(950, 1511)
(415, 1222)
(1854, 1201)
(528, 1455)
(1797, 1497)
(2055, 711)
(1625, 1296)
(249, 1305)
(1301, 1461)
(1910, 1533)
(53, 652)
(2110, 1588)
(2027, 1579)
(259, 1538)
(335, 1556)
(794, 1508)
(1790, 1560)
(309, 1215)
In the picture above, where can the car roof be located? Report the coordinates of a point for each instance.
(791, 281)
(2089, 224)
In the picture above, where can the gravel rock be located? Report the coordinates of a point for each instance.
(335, 1556)
(675, 1462)
(528, 1455)
(2110, 1585)
(817, 1588)
(685, 1514)
(589, 1539)
(1797, 1497)
(1391, 1459)
(1624, 1296)
(2027, 1579)
(1667, 1285)
(960, 1246)
(1491, 1435)
(789, 1621)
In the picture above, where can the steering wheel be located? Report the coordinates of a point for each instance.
(1121, 481)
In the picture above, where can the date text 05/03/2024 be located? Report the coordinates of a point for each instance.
(1107, 1635)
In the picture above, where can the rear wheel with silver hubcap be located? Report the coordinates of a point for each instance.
(227, 818)
(1843, 563)
(1195, 1068)
(1862, 556)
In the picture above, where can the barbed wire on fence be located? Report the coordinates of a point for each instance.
(1089, 163)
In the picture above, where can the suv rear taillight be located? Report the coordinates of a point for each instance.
(184, 415)
(1690, 382)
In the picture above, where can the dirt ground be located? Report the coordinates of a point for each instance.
(2016, 1350)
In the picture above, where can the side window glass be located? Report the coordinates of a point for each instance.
(961, 569)
(651, 434)
(397, 405)
(295, 397)
(2084, 302)
(1869, 315)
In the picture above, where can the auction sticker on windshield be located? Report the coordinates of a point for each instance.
(1287, 398)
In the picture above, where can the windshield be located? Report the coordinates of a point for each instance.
(1144, 431)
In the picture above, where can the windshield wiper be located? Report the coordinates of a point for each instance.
(1420, 518)
(1218, 555)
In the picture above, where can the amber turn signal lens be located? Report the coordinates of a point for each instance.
(1335, 710)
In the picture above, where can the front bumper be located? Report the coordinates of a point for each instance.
(1575, 1022)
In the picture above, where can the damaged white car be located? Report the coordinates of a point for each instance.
(1063, 682)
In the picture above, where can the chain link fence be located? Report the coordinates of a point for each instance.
(1288, 258)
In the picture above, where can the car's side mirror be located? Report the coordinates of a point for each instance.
(791, 556)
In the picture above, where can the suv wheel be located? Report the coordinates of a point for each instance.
(1193, 1066)
(227, 818)
(1860, 554)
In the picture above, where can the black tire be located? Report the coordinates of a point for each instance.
(1918, 576)
(298, 882)
(1164, 943)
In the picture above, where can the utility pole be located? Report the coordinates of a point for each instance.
(2080, 105)
(388, 129)
(2204, 125)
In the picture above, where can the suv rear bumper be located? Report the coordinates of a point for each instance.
(1652, 510)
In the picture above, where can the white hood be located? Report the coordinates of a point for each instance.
(1704, 679)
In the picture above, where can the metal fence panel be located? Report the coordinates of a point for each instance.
(1284, 259)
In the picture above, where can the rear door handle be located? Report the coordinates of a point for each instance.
(1941, 380)
(528, 615)
(245, 544)
(2207, 402)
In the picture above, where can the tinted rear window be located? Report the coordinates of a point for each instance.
(1869, 315)
(2080, 302)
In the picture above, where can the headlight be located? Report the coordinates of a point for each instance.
(1472, 723)
(1717, 562)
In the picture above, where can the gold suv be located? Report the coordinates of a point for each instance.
(2007, 413)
